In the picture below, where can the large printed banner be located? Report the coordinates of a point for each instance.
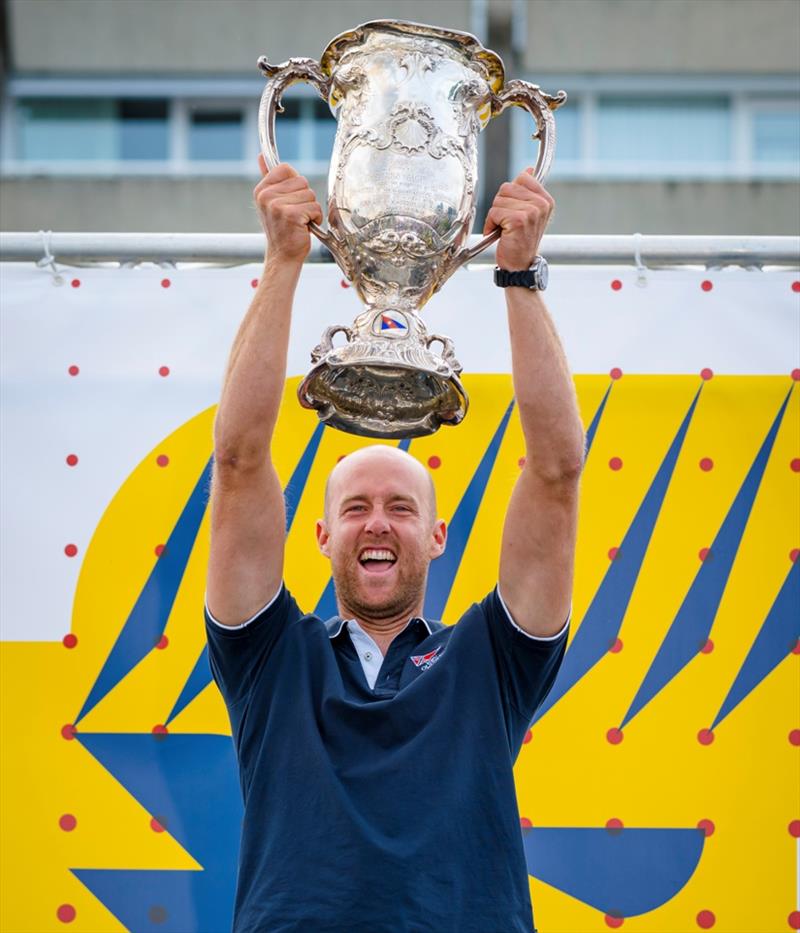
(659, 785)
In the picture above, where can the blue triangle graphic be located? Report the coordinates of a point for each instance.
(148, 618)
(603, 619)
(691, 626)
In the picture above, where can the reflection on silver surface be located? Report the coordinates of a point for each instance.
(410, 101)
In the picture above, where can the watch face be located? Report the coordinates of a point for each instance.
(541, 274)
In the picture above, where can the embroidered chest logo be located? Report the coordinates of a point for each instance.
(424, 661)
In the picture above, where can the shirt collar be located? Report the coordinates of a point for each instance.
(337, 623)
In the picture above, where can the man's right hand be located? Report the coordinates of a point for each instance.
(286, 205)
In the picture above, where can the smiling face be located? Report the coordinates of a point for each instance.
(380, 532)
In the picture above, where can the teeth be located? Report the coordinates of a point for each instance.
(376, 555)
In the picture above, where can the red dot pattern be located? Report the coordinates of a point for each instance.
(66, 913)
(525, 823)
(434, 462)
(159, 550)
(73, 370)
(165, 283)
(614, 736)
(68, 732)
(707, 647)
(254, 283)
(162, 460)
(160, 729)
(71, 550)
(795, 465)
(528, 737)
(615, 463)
(707, 826)
(613, 921)
(158, 825)
(706, 374)
(705, 737)
(616, 646)
(794, 920)
(616, 373)
(704, 553)
(796, 375)
(162, 643)
(614, 826)
(794, 829)
(344, 283)
(75, 283)
(69, 640)
(796, 647)
(521, 462)
(706, 464)
(706, 919)
(72, 459)
(706, 285)
(796, 286)
(67, 822)
(163, 371)
(794, 554)
(794, 737)
(616, 285)
(613, 553)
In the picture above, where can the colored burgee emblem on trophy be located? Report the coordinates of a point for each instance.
(410, 101)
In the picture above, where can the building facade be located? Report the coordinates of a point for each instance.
(141, 115)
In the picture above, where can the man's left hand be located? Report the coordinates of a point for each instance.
(522, 209)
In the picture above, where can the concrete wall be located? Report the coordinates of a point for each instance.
(225, 205)
(186, 36)
(676, 36)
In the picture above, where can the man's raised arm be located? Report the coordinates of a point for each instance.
(538, 548)
(247, 509)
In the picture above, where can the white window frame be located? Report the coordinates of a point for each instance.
(745, 94)
(181, 96)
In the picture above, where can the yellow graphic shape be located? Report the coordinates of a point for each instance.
(568, 775)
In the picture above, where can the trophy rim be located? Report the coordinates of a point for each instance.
(466, 40)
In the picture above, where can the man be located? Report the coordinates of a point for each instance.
(376, 749)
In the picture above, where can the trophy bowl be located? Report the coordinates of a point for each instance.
(409, 101)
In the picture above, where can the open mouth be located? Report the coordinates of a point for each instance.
(377, 560)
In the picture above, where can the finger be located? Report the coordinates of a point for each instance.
(282, 171)
(304, 213)
(277, 187)
(527, 180)
(536, 202)
(306, 196)
(262, 164)
(512, 189)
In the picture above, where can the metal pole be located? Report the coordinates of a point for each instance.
(234, 248)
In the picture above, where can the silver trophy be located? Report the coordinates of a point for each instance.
(410, 101)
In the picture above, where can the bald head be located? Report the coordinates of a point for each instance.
(379, 460)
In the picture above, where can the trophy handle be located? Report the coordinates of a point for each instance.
(279, 77)
(540, 106)
(325, 344)
(448, 350)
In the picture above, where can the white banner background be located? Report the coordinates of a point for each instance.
(121, 326)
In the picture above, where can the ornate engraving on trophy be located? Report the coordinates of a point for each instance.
(410, 101)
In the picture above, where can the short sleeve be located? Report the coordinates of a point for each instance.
(238, 654)
(527, 665)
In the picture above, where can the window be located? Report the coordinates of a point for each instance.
(91, 129)
(216, 135)
(324, 128)
(142, 129)
(776, 136)
(663, 129)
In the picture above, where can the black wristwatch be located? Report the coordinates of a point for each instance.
(534, 278)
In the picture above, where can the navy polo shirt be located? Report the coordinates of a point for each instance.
(385, 810)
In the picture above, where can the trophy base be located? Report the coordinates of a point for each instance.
(383, 401)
